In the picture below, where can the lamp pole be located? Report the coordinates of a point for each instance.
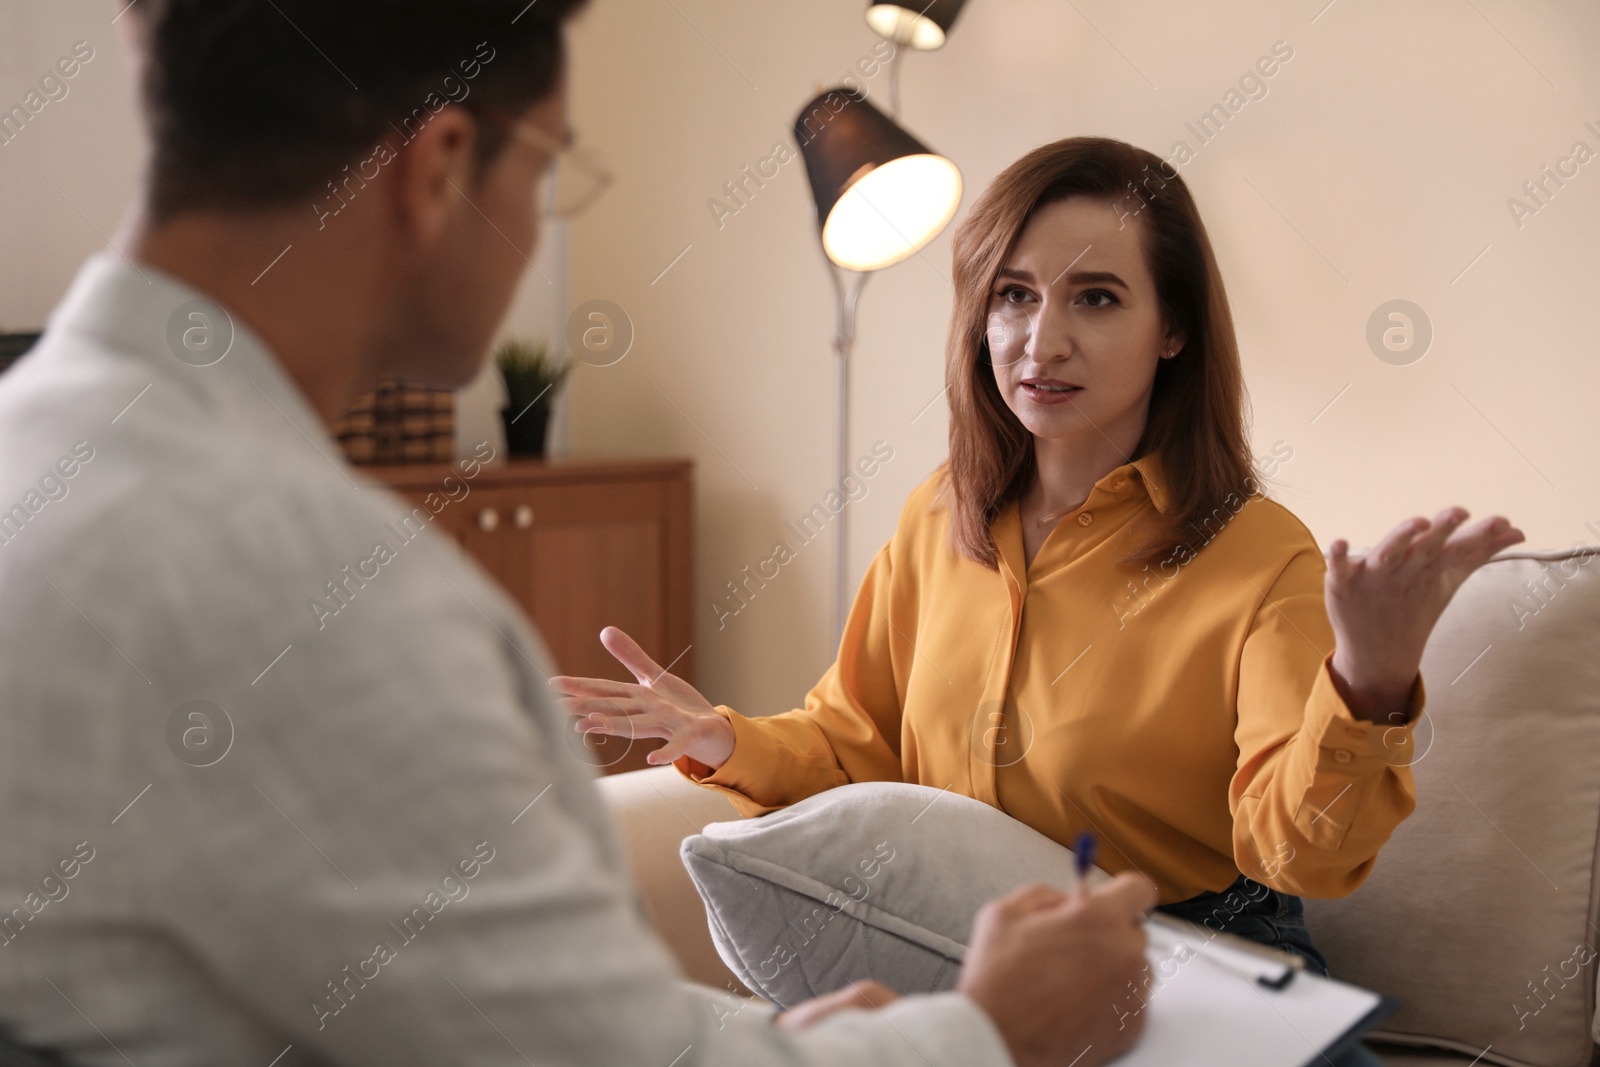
(846, 299)
(894, 81)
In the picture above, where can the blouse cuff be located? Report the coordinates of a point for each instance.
(1346, 743)
(744, 770)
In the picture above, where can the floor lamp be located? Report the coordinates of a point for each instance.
(881, 195)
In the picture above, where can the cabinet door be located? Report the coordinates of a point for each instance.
(494, 527)
(578, 558)
(598, 559)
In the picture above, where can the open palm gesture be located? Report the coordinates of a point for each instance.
(1383, 605)
(659, 705)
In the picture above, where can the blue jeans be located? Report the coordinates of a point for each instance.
(1251, 910)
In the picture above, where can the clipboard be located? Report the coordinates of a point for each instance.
(1214, 1000)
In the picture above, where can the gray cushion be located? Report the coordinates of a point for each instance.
(857, 882)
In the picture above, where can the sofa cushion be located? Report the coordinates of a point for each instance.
(856, 883)
(1480, 910)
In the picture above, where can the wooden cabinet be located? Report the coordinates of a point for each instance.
(581, 544)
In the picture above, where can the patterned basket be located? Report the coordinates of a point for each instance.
(400, 423)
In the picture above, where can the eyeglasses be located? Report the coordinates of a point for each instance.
(577, 176)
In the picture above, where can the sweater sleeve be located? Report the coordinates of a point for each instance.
(1316, 792)
(849, 728)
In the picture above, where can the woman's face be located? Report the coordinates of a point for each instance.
(1075, 306)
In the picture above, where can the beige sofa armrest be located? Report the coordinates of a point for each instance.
(655, 809)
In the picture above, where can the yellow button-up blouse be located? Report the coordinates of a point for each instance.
(1184, 712)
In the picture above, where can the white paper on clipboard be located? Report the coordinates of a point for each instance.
(1202, 1009)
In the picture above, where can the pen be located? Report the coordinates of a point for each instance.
(1083, 859)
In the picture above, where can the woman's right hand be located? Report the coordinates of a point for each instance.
(660, 705)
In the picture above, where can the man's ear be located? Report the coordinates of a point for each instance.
(434, 172)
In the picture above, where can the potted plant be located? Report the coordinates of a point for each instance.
(532, 376)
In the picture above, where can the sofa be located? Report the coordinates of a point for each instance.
(1480, 914)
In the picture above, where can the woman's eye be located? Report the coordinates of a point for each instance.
(1100, 292)
(1010, 290)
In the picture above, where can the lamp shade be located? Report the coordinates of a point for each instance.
(921, 25)
(881, 194)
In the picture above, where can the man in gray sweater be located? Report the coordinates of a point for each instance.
(242, 830)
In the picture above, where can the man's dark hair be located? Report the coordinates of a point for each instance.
(259, 103)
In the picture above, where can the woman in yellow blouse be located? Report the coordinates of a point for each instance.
(1090, 617)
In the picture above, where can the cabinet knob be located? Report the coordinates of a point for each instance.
(488, 519)
(523, 516)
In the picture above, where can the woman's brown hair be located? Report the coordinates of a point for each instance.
(1197, 406)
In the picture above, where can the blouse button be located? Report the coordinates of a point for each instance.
(1085, 519)
(1341, 755)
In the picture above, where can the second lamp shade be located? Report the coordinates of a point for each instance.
(881, 195)
(919, 23)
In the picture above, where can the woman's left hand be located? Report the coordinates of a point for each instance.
(1384, 605)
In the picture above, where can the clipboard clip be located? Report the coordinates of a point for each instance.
(1268, 967)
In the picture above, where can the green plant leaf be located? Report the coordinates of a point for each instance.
(531, 372)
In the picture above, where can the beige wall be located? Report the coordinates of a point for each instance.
(73, 166)
(1378, 166)
(66, 182)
